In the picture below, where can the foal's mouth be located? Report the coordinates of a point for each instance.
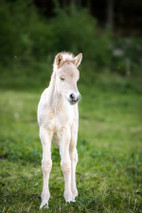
(73, 102)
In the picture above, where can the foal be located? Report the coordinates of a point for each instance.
(58, 119)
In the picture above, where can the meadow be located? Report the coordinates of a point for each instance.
(109, 171)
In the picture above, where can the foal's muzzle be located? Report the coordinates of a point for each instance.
(73, 98)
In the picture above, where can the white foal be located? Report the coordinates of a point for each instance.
(58, 119)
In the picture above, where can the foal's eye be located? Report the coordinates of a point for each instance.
(62, 78)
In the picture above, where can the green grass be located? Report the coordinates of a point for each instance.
(109, 171)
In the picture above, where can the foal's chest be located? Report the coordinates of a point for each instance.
(57, 120)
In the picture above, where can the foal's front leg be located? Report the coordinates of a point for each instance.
(46, 137)
(74, 160)
(64, 137)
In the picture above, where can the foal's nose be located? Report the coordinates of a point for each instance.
(74, 98)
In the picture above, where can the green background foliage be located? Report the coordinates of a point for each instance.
(29, 43)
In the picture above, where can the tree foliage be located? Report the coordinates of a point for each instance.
(25, 33)
(29, 42)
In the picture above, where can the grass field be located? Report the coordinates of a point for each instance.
(109, 171)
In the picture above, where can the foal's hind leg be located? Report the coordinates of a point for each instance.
(46, 137)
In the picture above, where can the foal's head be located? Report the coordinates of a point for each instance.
(67, 75)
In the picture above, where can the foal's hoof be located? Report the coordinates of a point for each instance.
(44, 197)
(70, 200)
(69, 197)
(44, 204)
(74, 193)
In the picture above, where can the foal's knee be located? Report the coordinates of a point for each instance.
(46, 165)
(66, 167)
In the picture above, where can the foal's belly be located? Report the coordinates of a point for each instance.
(55, 139)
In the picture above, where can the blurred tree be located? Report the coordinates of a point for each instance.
(110, 17)
(32, 31)
(126, 14)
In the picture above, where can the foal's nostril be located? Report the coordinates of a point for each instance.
(72, 96)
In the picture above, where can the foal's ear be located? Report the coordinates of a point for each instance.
(59, 59)
(77, 60)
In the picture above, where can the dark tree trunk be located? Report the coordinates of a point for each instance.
(110, 15)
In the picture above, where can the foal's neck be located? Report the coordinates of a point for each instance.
(56, 99)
